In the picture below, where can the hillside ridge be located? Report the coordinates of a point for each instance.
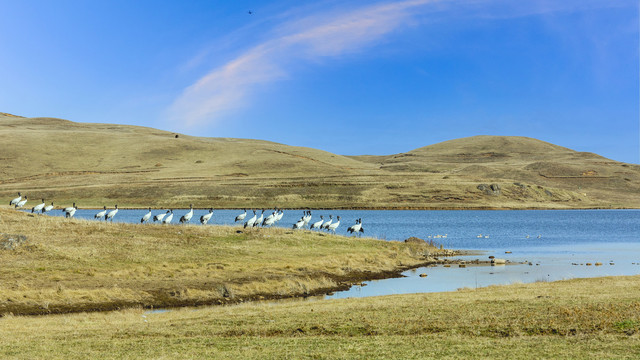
(141, 166)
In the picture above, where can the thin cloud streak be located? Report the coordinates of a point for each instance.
(228, 87)
(333, 34)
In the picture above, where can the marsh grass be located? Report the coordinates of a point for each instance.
(71, 265)
(565, 319)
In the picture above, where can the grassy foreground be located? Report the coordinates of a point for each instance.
(576, 319)
(71, 265)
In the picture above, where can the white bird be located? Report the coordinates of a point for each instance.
(67, 209)
(356, 228)
(307, 217)
(169, 217)
(21, 202)
(159, 217)
(146, 217)
(16, 200)
(317, 224)
(101, 214)
(299, 224)
(38, 207)
(47, 208)
(111, 214)
(70, 211)
(334, 225)
(259, 221)
(241, 216)
(206, 217)
(280, 215)
(250, 222)
(187, 217)
(271, 219)
(326, 225)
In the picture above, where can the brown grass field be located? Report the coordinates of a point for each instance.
(69, 272)
(578, 319)
(101, 164)
(71, 265)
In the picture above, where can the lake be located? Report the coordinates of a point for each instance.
(551, 240)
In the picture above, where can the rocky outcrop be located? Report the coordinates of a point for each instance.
(414, 240)
(493, 189)
(11, 242)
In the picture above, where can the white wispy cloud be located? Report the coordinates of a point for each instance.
(330, 34)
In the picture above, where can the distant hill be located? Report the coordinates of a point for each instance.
(104, 164)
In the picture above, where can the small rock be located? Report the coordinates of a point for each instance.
(462, 265)
(507, 252)
(492, 257)
(611, 263)
(423, 275)
(588, 264)
(446, 265)
(598, 264)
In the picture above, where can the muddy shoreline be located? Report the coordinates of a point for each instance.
(169, 298)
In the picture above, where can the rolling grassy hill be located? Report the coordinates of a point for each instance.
(104, 164)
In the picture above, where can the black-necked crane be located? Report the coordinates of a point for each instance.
(279, 215)
(47, 208)
(168, 218)
(307, 217)
(187, 217)
(146, 217)
(356, 228)
(21, 203)
(111, 214)
(317, 224)
(70, 211)
(69, 208)
(16, 200)
(241, 216)
(251, 221)
(259, 221)
(326, 225)
(38, 207)
(159, 217)
(334, 225)
(204, 219)
(299, 224)
(101, 214)
(271, 219)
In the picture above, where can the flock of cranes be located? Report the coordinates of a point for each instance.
(167, 217)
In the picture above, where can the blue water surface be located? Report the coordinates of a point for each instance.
(557, 243)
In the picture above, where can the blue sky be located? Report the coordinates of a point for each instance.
(350, 77)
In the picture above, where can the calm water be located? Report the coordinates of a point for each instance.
(552, 240)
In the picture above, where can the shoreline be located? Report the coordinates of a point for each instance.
(382, 208)
(344, 283)
(563, 319)
(75, 265)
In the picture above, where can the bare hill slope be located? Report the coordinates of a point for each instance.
(97, 164)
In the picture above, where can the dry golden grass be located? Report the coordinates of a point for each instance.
(96, 164)
(576, 319)
(71, 265)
